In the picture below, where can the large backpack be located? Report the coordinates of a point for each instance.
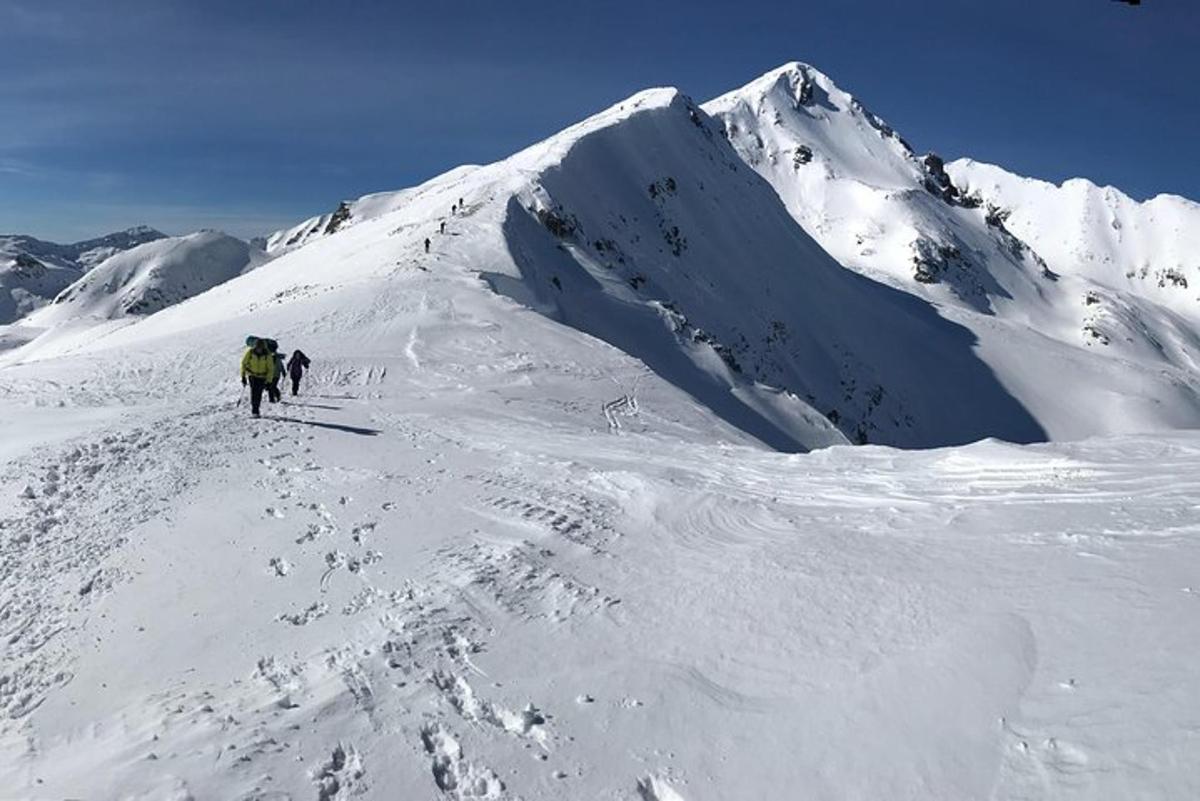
(270, 343)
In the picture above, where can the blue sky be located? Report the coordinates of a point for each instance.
(251, 115)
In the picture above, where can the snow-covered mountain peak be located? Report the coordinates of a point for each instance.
(796, 115)
(796, 81)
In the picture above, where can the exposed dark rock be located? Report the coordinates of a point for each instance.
(937, 180)
(338, 217)
(996, 216)
(27, 266)
(557, 222)
(931, 260)
(1173, 277)
(1095, 333)
(802, 155)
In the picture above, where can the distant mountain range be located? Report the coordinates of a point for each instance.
(33, 271)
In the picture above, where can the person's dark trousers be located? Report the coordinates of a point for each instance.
(273, 391)
(257, 385)
(295, 385)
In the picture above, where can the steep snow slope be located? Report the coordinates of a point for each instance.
(1120, 359)
(857, 187)
(32, 271)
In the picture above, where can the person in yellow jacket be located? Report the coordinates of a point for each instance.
(258, 369)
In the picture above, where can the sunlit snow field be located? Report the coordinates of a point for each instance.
(522, 534)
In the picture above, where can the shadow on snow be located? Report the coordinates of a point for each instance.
(365, 432)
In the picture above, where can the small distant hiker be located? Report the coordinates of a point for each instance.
(442, 230)
(453, 210)
(461, 205)
(273, 393)
(258, 369)
(295, 369)
(427, 244)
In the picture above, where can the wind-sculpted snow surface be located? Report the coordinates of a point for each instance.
(508, 608)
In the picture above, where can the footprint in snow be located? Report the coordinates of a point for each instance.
(314, 612)
(655, 788)
(340, 775)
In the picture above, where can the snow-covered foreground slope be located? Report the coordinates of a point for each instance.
(440, 582)
(32, 271)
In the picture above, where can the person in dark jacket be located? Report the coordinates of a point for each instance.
(258, 365)
(295, 369)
